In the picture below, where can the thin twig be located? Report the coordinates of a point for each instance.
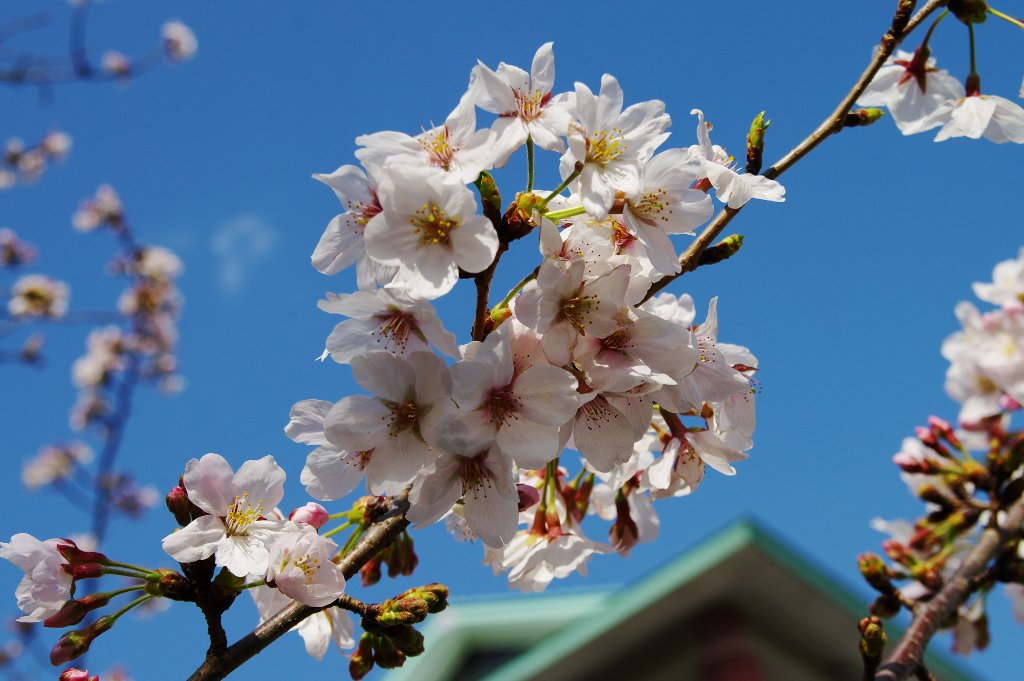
(930, 616)
(378, 536)
(832, 124)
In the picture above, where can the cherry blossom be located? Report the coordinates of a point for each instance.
(318, 632)
(236, 531)
(524, 104)
(523, 410)
(46, 586)
(342, 243)
(612, 144)
(457, 147)
(329, 473)
(733, 188)
(912, 88)
(480, 474)
(411, 398)
(386, 319)
(300, 566)
(1007, 287)
(429, 229)
(995, 118)
(37, 295)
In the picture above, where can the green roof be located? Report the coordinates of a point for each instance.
(538, 625)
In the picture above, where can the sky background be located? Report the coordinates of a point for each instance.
(844, 292)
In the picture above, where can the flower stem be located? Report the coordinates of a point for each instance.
(253, 585)
(560, 188)
(1006, 17)
(529, 166)
(138, 601)
(497, 310)
(557, 215)
(128, 566)
(124, 573)
(931, 29)
(338, 529)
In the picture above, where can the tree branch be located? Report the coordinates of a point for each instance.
(833, 124)
(909, 653)
(378, 536)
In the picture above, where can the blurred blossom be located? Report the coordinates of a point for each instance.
(179, 41)
(103, 209)
(13, 251)
(37, 295)
(54, 463)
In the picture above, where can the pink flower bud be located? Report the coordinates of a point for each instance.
(1008, 403)
(72, 674)
(71, 645)
(87, 571)
(178, 504)
(76, 556)
(926, 436)
(311, 514)
(528, 496)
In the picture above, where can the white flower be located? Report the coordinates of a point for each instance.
(1007, 287)
(733, 189)
(457, 147)
(912, 89)
(236, 532)
(534, 560)
(318, 631)
(523, 103)
(665, 204)
(342, 242)
(712, 378)
(563, 306)
(680, 469)
(523, 409)
(158, 263)
(429, 229)
(386, 319)
(990, 116)
(46, 585)
(329, 473)
(179, 41)
(37, 295)
(103, 209)
(612, 144)
(54, 463)
(643, 348)
(410, 399)
(300, 566)
(479, 473)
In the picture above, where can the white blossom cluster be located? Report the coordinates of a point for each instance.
(986, 376)
(569, 360)
(922, 97)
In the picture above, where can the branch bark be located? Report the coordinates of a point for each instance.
(909, 653)
(833, 124)
(377, 537)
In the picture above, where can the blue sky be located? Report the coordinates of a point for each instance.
(844, 292)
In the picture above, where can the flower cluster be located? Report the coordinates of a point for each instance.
(26, 163)
(964, 492)
(232, 517)
(922, 97)
(573, 358)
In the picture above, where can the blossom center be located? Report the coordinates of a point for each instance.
(503, 405)
(432, 226)
(476, 475)
(606, 146)
(437, 143)
(652, 206)
(529, 104)
(394, 326)
(241, 514)
(577, 310)
(404, 416)
(364, 212)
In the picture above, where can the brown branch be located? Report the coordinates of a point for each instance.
(909, 653)
(833, 124)
(378, 536)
